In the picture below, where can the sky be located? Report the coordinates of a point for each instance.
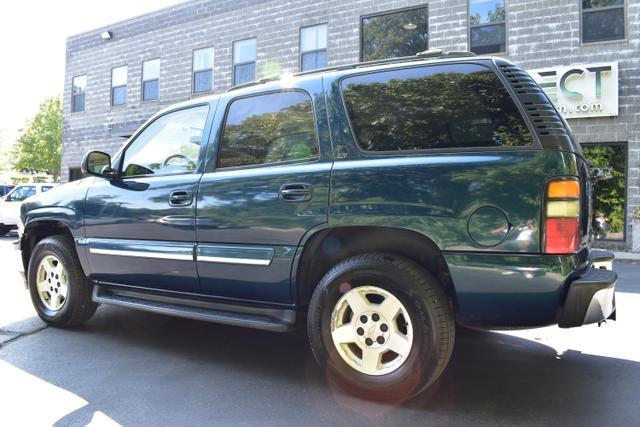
(33, 34)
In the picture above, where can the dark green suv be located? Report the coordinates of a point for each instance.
(379, 203)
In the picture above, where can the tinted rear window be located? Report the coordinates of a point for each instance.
(444, 106)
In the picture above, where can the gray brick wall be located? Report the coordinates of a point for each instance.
(540, 33)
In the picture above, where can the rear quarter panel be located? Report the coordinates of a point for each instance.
(435, 194)
(508, 284)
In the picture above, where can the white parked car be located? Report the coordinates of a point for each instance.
(10, 204)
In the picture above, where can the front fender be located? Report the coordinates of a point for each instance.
(43, 222)
(60, 214)
(57, 211)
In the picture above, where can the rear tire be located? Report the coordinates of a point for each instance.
(409, 354)
(4, 229)
(59, 289)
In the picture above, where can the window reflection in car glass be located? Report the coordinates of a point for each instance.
(21, 193)
(272, 128)
(447, 106)
(169, 145)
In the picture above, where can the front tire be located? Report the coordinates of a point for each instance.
(4, 229)
(59, 289)
(381, 326)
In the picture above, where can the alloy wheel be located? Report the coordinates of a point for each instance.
(52, 282)
(371, 330)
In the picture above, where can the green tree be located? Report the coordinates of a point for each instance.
(40, 144)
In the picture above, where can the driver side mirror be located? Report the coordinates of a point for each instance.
(98, 163)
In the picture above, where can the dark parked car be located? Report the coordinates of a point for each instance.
(379, 203)
(5, 189)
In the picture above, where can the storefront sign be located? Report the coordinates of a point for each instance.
(580, 91)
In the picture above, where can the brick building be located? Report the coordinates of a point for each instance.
(585, 53)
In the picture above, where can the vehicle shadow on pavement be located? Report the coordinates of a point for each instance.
(146, 369)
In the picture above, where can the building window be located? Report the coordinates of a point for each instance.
(394, 34)
(150, 79)
(79, 86)
(203, 70)
(244, 61)
(602, 20)
(609, 201)
(313, 47)
(269, 129)
(435, 107)
(487, 28)
(119, 85)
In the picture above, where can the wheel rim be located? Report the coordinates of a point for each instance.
(52, 282)
(371, 330)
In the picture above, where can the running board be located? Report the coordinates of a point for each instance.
(278, 320)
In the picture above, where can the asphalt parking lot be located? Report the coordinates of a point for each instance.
(133, 368)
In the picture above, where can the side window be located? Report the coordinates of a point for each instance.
(45, 188)
(169, 145)
(445, 106)
(268, 129)
(21, 193)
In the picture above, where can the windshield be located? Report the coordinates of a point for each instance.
(20, 193)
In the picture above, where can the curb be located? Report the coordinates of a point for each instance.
(627, 257)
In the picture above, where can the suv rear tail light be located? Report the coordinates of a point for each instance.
(562, 216)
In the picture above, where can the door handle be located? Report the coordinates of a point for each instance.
(296, 192)
(180, 198)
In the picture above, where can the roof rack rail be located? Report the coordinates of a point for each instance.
(255, 82)
(420, 56)
(438, 53)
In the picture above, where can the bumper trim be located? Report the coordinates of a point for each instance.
(591, 298)
(602, 259)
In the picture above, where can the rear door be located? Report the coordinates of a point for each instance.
(140, 228)
(266, 185)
